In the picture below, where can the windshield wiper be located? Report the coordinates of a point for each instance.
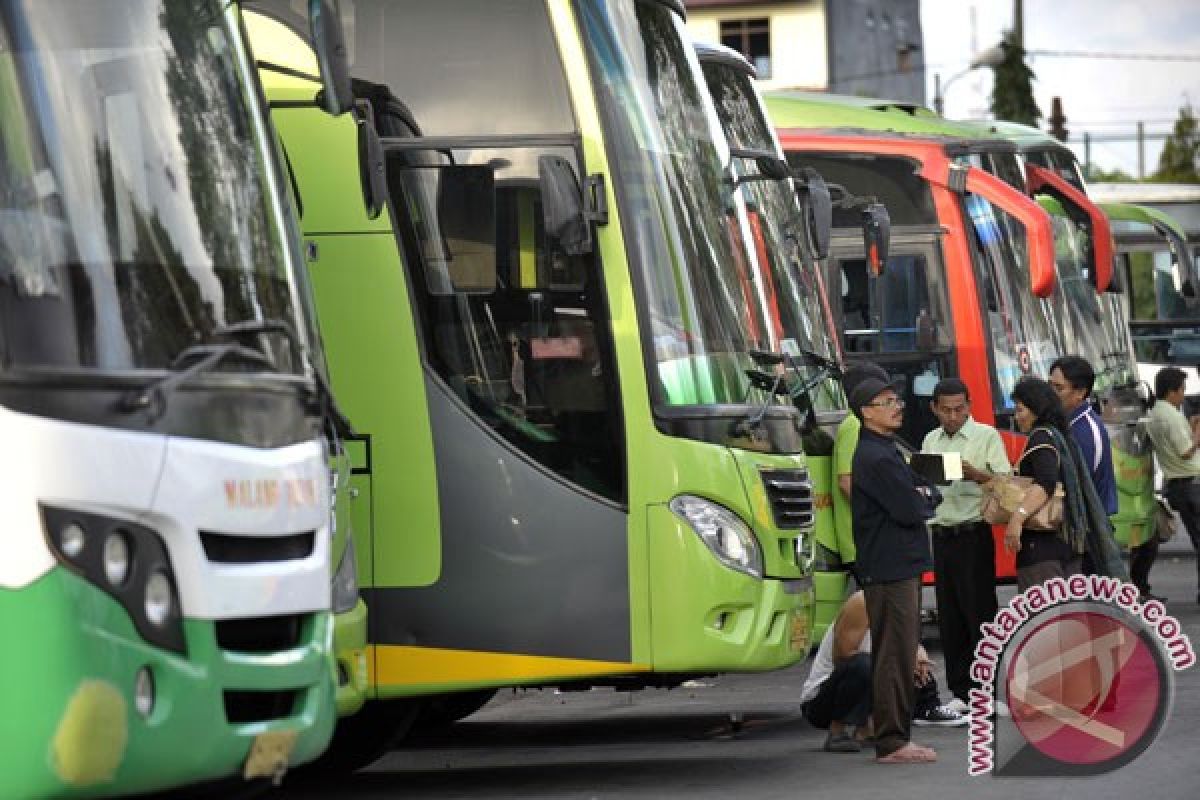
(338, 424)
(209, 356)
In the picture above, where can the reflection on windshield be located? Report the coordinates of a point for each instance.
(687, 237)
(134, 216)
(1021, 333)
(1085, 324)
(793, 285)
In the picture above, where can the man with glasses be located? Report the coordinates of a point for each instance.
(890, 505)
(964, 553)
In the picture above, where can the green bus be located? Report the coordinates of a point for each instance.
(164, 572)
(544, 316)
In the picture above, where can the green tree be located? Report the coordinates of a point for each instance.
(1180, 159)
(1012, 90)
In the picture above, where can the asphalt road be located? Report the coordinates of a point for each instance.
(741, 736)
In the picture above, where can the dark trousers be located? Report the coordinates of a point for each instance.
(894, 612)
(1141, 559)
(1184, 498)
(1039, 573)
(964, 563)
(845, 696)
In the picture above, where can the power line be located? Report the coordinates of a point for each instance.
(1115, 56)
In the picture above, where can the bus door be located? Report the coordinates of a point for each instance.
(900, 319)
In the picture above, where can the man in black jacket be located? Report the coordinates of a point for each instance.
(891, 505)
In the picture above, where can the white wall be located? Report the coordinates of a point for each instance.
(798, 56)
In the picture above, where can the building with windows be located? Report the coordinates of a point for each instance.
(863, 47)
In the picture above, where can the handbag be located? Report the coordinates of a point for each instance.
(1002, 496)
(1164, 521)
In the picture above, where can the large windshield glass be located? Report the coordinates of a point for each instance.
(1022, 335)
(1083, 320)
(1164, 319)
(682, 222)
(135, 214)
(796, 296)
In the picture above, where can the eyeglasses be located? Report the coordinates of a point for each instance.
(891, 402)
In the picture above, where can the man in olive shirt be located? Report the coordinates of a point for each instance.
(1177, 450)
(964, 555)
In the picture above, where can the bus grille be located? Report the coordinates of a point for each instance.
(790, 493)
(223, 548)
(253, 706)
(260, 634)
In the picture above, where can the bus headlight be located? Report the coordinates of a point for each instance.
(116, 558)
(71, 540)
(345, 582)
(158, 598)
(723, 532)
(127, 561)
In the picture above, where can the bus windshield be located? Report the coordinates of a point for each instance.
(1165, 319)
(1022, 335)
(1086, 321)
(685, 230)
(136, 214)
(795, 292)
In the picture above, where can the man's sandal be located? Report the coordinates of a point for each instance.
(909, 754)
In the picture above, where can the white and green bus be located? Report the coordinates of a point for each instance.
(165, 564)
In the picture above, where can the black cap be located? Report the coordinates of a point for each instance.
(871, 387)
(857, 372)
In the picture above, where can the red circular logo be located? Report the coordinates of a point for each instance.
(1085, 688)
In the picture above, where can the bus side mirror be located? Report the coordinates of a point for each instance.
(563, 213)
(877, 236)
(329, 43)
(818, 206)
(372, 170)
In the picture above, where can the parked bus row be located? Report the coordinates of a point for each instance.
(374, 356)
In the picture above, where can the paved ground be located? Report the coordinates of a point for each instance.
(682, 744)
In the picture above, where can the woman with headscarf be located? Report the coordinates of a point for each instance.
(1051, 457)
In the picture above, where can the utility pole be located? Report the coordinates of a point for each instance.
(1057, 120)
(1019, 22)
(1141, 139)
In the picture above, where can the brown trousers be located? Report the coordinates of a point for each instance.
(894, 613)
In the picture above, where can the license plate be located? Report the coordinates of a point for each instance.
(800, 632)
(269, 755)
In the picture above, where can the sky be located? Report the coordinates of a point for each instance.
(1100, 95)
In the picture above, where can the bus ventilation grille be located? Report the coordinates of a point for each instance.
(224, 548)
(790, 493)
(252, 706)
(261, 634)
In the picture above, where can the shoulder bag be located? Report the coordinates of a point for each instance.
(1002, 496)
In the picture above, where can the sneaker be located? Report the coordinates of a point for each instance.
(942, 716)
(958, 706)
(841, 743)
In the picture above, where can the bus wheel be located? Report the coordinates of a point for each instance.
(444, 710)
(363, 738)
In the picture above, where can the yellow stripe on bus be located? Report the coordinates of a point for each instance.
(397, 665)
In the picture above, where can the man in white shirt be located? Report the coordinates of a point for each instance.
(837, 693)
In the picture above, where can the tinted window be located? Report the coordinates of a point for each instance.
(894, 181)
